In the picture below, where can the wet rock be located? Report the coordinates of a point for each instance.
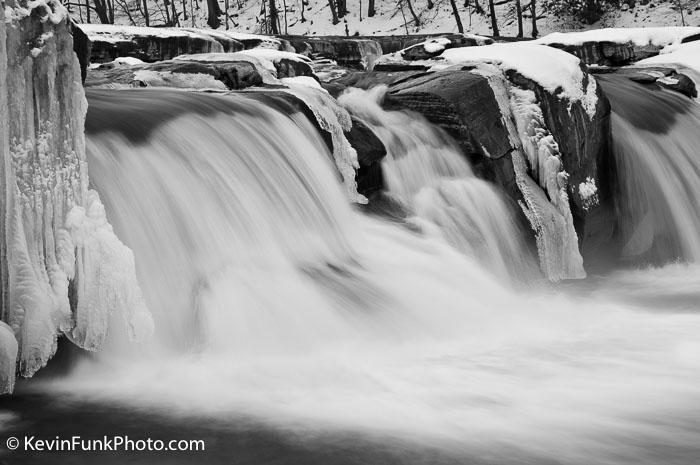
(351, 52)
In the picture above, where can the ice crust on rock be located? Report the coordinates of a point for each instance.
(336, 120)
(540, 177)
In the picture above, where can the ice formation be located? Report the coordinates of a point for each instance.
(334, 119)
(55, 264)
(540, 177)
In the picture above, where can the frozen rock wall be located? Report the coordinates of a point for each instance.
(63, 270)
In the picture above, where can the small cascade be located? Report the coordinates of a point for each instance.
(655, 143)
(426, 172)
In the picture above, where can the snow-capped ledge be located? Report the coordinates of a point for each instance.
(555, 71)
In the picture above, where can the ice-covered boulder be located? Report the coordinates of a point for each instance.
(63, 271)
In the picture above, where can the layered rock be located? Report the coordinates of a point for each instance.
(350, 52)
(62, 269)
(107, 42)
(222, 71)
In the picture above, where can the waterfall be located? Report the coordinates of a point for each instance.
(425, 171)
(656, 141)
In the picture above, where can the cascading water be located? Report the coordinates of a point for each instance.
(656, 141)
(426, 172)
(319, 321)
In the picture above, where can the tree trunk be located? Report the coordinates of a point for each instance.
(274, 17)
(213, 12)
(334, 12)
(176, 21)
(146, 16)
(87, 10)
(413, 13)
(303, 4)
(494, 23)
(342, 8)
(455, 12)
(370, 9)
(519, 13)
(284, 4)
(533, 10)
(184, 11)
(477, 7)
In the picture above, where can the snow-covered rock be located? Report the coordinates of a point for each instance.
(358, 53)
(108, 42)
(684, 54)
(44, 249)
(429, 48)
(555, 71)
(620, 46)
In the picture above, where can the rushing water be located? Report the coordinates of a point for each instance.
(294, 329)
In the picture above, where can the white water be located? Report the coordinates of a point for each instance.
(656, 151)
(314, 317)
(425, 171)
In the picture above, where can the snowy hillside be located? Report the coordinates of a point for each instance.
(313, 17)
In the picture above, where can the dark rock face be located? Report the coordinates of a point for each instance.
(351, 52)
(370, 152)
(661, 76)
(82, 48)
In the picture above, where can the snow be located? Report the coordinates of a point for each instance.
(687, 55)
(262, 58)
(50, 10)
(640, 36)
(588, 192)
(301, 81)
(178, 80)
(128, 61)
(435, 45)
(556, 71)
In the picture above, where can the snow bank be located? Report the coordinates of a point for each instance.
(639, 36)
(261, 41)
(151, 78)
(556, 71)
(687, 55)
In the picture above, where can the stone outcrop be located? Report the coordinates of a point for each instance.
(108, 42)
(351, 52)
(218, 71)
(607, 53)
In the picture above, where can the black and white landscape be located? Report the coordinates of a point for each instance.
(325, 232)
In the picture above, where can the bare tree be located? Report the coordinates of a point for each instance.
(284, 4)
(519, 14)
(455, 12)
(342, 8)
(334, 12)
(213, 13)
(494, 23)
(303, 4)
(370, 9)
(274, 17)
(533, 11)
(416, 20)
